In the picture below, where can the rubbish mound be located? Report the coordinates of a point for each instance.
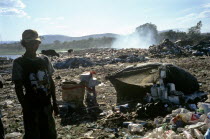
(73, 63)
(202, 48)
(128, 59)
(183, 43)
(180, 48)
(134, 82)
(165, 48)
(181, 123)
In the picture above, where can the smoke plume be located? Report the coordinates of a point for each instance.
(142, 38)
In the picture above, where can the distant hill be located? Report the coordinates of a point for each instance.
(48, 39)
(8, 42)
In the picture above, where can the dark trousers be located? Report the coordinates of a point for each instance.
(1, 130)
(39, 123)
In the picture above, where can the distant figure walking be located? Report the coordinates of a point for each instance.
(34, 73)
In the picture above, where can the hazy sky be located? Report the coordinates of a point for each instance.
(84, 17)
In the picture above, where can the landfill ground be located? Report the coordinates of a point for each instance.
(78, 123)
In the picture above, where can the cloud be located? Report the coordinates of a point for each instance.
(187, 17)
(204, 14)
(13, 12)
(59, 18)
(43, 19)
(48, 19)
(12, 8)
(62, 27)
(186, 10)
(206, 5)
(12, 4)
(194, 16)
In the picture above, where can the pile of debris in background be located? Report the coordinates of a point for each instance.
(89, 58)
(104, 57)
(201, 49)
(73, 63)
(167, 48)
(180, 48)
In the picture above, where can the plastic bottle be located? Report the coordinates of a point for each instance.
(169, 134)
(186, 117)
(198, 134)
(204, 106)
(156, 122)
(175, 137)
(187, 135)
(88, 134)
(135, 127)
(154, 91)
(207, 134)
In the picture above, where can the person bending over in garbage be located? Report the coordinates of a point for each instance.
(34, 73)
(1, 124)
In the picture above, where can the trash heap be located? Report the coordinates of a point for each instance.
(180, 124)
(5, 60)
(87, 62)
(95, 57)
(166, 97)
(183, 43)
(165, 48)
(73, 63)
(79, 95)
(158, 82)
(168, 92)
(202, 48)
(127, 59)
(180, 48)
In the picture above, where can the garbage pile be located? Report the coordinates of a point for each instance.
(165, 48)
(122, 59)
(180, 124)
(180, 48)
(99, 57)
(134, 82)
(79, 95)
(73, 63)
(183, 43)
(86, 62)
(5, 60)
(202, 48)
(165, 97)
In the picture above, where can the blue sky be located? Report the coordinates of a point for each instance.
(84, 17)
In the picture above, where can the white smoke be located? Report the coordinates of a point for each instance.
(135, 40)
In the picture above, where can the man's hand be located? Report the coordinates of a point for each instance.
(20, 94)
(55, 108)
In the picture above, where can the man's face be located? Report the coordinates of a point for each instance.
(32, 46)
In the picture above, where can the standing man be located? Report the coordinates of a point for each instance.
(34, 73)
